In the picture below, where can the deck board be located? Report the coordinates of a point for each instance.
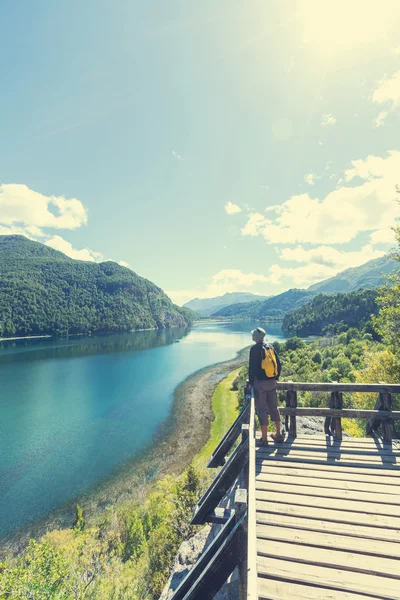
(328, 524)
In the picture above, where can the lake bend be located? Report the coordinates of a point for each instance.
(73, 411)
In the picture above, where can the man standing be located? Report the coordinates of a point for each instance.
(264, 371)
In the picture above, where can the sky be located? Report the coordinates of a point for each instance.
(213, 146)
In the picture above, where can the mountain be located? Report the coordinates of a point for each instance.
(43, 291)
(366, 276)
(208, 306)
(274, 307)
(353, 309)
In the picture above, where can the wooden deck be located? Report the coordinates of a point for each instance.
(328, 519)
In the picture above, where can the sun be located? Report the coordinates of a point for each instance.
(334, 27)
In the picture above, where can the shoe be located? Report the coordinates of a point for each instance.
(278, 439)
(262, 443)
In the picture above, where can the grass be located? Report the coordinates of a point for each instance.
(225, 409)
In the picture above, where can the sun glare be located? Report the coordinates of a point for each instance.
(337, 26)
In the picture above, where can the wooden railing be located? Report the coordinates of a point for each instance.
(235, 545)
(381, 415)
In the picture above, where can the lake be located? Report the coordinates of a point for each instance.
(73, 411)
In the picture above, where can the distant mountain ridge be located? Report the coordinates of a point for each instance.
(367, 276)
(208, 306)
(274, 307)
(43, 291)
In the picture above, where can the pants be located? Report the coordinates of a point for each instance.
(266, 400)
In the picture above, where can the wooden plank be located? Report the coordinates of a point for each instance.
(282, 476)
(252, 579)
(356, 506)
(285, 487)
(357, 441)
(348, 441)
(347, 454)
(387, 476)
(336, 579)
(341, 448)
(271, 589)
(304, 457)
(328, 514)
(334, 559)
(392, 388)
(301, 523)
(328, 541)
(351, 413)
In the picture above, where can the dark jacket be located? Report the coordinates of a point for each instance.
(255, 360)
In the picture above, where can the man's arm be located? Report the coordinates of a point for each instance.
(252, 365)
(279, 364)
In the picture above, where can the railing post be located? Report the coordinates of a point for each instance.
(240, 509)
(338, 420)
(245, 438)
(287, 406)
(293, 404)
(387, 425)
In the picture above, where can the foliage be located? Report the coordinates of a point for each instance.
(387, 323)
(43, 291)
(126, 555)
(340, 310)
(40, 574)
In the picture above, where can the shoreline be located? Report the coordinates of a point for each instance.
(178, 441)
(26, 337)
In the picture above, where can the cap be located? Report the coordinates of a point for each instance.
(259, 333)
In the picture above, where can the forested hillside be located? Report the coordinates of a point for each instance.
(327, 311)
(42, 291)
(275, 307)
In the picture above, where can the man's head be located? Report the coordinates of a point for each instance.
(258, 334)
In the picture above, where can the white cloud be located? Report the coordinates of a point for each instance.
(395, 51)
(58, 243)
(387, 91)
(330, 257)
(342, 214)
(232, 209)
(380, 119)
(383, 236)
(29, 213)
(310, 178)
(20, 205)
(227, 280)
(123, 263)
(328, 119)
(177, 156)
(319, 263)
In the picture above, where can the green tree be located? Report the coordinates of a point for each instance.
(80, 522)
(387, 323)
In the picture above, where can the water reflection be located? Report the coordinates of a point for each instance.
(14, 350)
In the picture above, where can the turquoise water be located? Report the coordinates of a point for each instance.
(73, 411)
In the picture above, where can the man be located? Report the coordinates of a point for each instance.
(264, 371)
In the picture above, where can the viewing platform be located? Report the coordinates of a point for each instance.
(316, 517)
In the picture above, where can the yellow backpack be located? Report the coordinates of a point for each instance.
(269, 362)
